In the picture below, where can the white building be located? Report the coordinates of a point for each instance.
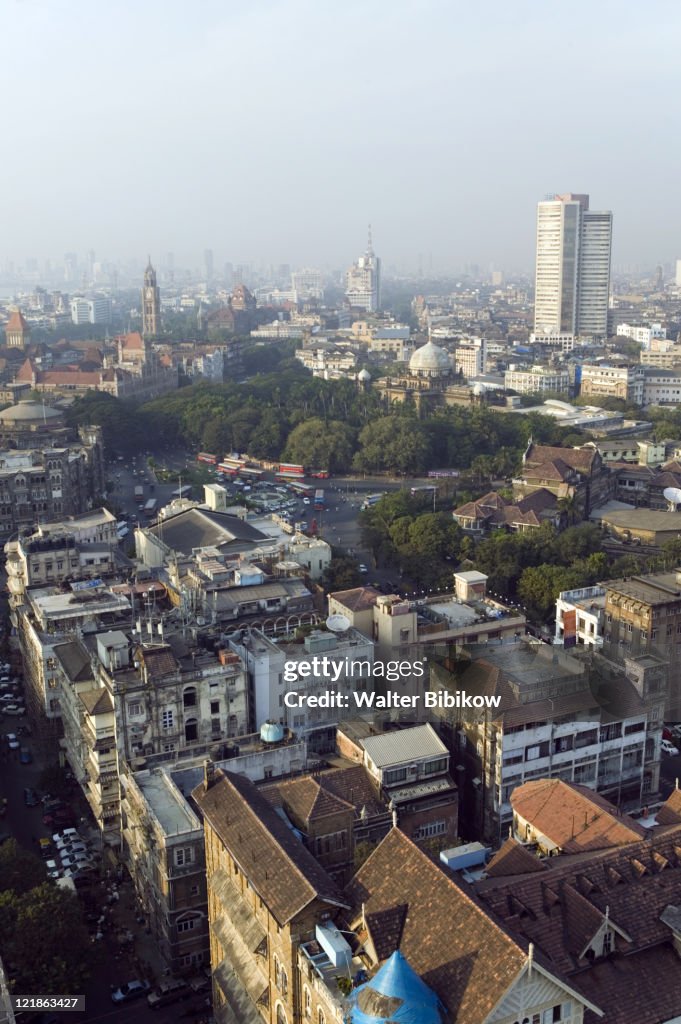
(572, 281)
(538, 379)
(470, 357)
(563, 341)
(579, 617)
(642, 334)
(91, 311)
(661, 387)
(363, 281)
(325, 662)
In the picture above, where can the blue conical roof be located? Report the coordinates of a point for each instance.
(396, 995)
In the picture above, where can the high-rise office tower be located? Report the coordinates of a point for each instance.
(151, 303)
(572, 281)
(363, 281)
(208, 264)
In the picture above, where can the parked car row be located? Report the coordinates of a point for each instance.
(68, 855)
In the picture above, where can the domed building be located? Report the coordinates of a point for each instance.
(431, 361)
(27, 423)
(427, 382)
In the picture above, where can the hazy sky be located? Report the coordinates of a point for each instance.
(275, 130)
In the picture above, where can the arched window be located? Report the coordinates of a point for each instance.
(281, 1016)
(277, 968)
(307, 1002)
(191, 730)
(283, 982)
(189, 697)
(321, 1016)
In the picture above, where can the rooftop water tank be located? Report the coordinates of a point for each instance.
(271, 732)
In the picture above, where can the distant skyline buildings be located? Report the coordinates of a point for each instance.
(572, 267)
(363, 280)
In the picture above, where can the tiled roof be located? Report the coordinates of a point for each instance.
(158, 661)
(552, 469)
(281, 870)
(573, 817)
(16, 321)
(670, 812)
(636, 882)
(640, 989)
(446, 935)
(354, 785)
(305, 799)
(96, 702)
(357, 599)
(513, 859)
(581, 459)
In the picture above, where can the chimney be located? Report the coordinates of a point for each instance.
(208, 774)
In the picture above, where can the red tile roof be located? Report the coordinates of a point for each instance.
(572, 817)
(513, 859)
(449, 939)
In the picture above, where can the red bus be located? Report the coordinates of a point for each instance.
(290, 471)
(206, 457)
(227, 470)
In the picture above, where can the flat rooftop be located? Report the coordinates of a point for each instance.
(166, 802)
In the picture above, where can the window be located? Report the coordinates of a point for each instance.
(281, 1016)
(187, 925)
(167, 719)
(184, 855)
(321, 1017)
(307, 1002)
(395, 775)
(134, 708)
(283, 982)
(433, 767)
(189, 697)
(215, 707)
(433, 828)
(191, 730)
(194, 891)
(607, 944)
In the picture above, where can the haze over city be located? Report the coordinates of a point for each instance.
(277, 131)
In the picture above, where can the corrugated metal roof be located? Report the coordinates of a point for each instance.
(403, 745)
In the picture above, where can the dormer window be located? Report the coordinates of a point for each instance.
(608, 942)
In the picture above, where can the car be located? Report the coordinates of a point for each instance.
(75, 862)
(130, 990)
(31, 798)
(170, 991)
(45, 848)
(668, 748)
(52, 869)
(14, 710)
(306, 501)
(363, 570)
(73, 849)
(12, 741)
(66, 834)
(7, 697)
(25, 755)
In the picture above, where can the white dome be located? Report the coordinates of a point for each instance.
(363, 375)
(430, 358)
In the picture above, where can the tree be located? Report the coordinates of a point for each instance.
(20, 870)
(45, 944)
(342, 574)
(393, 444)
(321, 445)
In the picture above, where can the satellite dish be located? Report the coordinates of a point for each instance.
(339, 623)
(672, 495)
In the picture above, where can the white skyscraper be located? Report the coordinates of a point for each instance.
(572, 282)
(363, 281)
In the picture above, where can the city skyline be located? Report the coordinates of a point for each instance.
(239, 132)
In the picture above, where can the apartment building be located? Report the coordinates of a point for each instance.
(624, 382)
(557, 717)
(643, 618)
(580, 615)
(162, 843)
(284, 675)
(538, 379)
